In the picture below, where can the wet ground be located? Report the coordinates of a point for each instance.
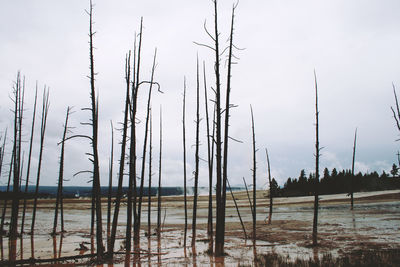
(373, 224)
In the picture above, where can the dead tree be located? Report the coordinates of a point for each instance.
(18, 115)
(254, 178)
(270, 188)
(237, 209)
(95, 155)
(28, 168)
(196, 172)
(149, 190)
(60, 174)
(317, 154)
(184, 162)
(396, 113)
(210, 161)
(110, 245)
(159, 184)
(132, 193)
(139, 209)
(45, 109)
(5, 203)
(110, 178)
(352, 171)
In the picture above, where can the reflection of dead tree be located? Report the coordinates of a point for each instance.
(45, 108)
(184, 162)
(254, 178)
(59, 198)
(196, 172)
(270, 189)
(352, 171)
(29, 164)
(317, 154)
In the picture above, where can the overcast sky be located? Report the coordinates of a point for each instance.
(352, 45)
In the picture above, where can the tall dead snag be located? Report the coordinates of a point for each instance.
(149, 190)
(132, 193)
(96, 169)
(317, 154)
(159, 185)
(227, 115)
(196, 172)
(352, 171)
(139, 209)
(110, 178)
(45, 109)
(28, 168)
(237, 209)
(184, 162)
(254, 178)
(60, 174)
(210, 153)
(110, 244)
(18, 115)
(219, 231)
(270, 188)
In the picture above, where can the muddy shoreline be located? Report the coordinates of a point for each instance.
(374, 224)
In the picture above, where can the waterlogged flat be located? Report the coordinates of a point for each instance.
(373, 224)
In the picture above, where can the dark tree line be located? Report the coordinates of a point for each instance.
(334, 182)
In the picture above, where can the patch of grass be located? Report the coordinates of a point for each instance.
(357, 258)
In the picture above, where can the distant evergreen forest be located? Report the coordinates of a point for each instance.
(334, 182)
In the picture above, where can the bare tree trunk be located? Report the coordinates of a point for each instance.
(226, 132)
(19, 91)
(29, 164)
(159, 185)
(254, 178)
(352, 170)
(210, 153)
(60, 174)
(317, 150)
(149, 192)
(270, 188)
(110, 248)
(219, 230)
(196, 172)
(110, 178)
(45, 108)
(139, 210)
(96, 168)
(184, 163)
(237, 209)
(132, 153)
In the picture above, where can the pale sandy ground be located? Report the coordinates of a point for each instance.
(373, 224)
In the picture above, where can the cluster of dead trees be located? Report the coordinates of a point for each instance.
(217, 136)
